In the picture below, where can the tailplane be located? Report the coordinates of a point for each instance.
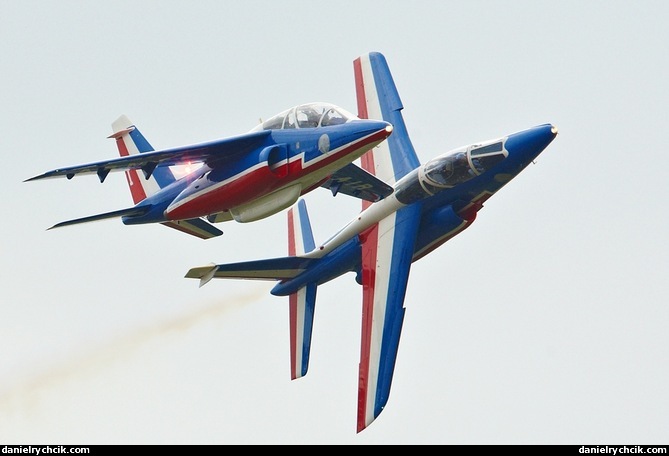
(302, 301)
(130, 141)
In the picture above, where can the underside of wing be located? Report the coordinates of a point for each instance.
(207, 152)
(354, 181)
(387, 253)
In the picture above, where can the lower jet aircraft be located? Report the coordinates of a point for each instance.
(430, 204)
(246, 177)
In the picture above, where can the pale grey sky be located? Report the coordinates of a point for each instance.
(544, 323)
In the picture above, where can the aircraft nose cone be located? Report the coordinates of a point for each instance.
(367, 126)
(529, 143)
(385, 127)
(381, 125)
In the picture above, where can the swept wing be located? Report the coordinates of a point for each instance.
(206, 152)
(354, 181)
(388, 246)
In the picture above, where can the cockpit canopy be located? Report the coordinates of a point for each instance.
(309, 115)
(463, 164)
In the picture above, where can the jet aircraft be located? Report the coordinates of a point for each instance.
(431, 203)
(246, 177)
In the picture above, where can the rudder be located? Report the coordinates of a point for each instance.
(378, 98)
(303, 301)
(130, 141)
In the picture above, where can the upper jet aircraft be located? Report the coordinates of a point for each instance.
(243, 178)
(431, 203)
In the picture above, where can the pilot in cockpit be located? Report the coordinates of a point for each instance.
(307, 117)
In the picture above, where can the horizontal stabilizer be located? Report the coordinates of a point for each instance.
(129, 212)
(196, 227)
(354, 181)
(204, 273)
(270, 269)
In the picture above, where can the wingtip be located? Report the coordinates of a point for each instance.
(205, 274)
(363, 424)
(208, 275)
(57, 225)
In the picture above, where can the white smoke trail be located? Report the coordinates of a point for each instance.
(26, 390)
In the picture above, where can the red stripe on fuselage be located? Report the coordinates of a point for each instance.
(244, 188)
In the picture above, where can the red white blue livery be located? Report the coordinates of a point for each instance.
(243, 178)
(430, 203)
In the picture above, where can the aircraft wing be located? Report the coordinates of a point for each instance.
(354, 181)
(388, 246)
(387, 252)
(208, 152)
(131, 211)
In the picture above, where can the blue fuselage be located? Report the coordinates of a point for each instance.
(443, 214)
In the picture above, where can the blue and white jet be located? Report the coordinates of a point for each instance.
(243, 178)
(430, 204)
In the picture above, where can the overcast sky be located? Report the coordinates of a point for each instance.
(544, 323)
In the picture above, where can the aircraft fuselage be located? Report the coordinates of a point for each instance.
(445, 210)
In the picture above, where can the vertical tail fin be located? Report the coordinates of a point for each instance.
(303, 301)
(130, 141)
(379, 99)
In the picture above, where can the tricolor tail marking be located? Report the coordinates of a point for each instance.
(130, 141)
(302, 303)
